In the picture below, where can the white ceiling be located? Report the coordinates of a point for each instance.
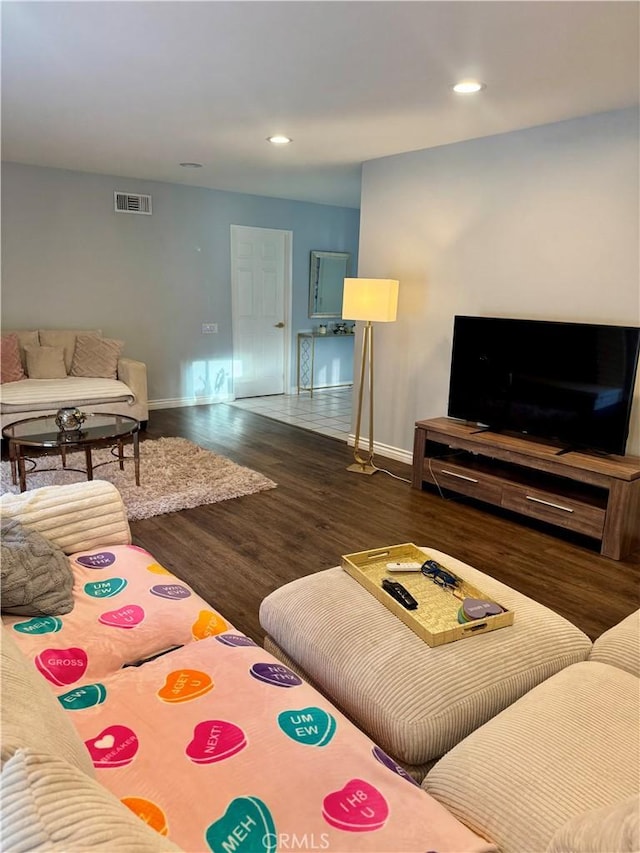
(135, 88)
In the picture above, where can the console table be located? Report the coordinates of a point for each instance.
(597, 496)
(306, 359)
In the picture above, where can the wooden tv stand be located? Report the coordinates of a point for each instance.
(597, 496)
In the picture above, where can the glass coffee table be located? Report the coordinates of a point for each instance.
(97, 431)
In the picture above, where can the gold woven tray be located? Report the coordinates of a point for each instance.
(436, 618)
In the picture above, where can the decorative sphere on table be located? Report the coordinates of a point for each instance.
(69, 419)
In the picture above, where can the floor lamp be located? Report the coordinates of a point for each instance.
(374, 300)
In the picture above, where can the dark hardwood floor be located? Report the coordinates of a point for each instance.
(236, 552)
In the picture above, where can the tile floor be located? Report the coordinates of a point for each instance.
(328, 412)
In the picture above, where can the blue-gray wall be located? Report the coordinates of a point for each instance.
(68, 261)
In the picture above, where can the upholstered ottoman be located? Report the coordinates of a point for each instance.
(415, 701)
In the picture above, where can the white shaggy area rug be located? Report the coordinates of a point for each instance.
(174, 474)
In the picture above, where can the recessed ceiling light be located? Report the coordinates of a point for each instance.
(468, 87)
(191, 165)
(279, 140)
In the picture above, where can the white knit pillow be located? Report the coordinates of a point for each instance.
(76, 516)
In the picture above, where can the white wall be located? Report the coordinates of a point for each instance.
(540, 223)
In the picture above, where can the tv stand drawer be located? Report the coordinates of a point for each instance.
(555, 509)
(464, 480)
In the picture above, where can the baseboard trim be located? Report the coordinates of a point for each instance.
(385, 450)
(180, 402)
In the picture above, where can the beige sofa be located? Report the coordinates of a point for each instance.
(534, 729)
(206, 738)
(556, 771)
(126, 394)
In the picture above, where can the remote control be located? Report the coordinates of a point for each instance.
(401, 595)
(404, 567)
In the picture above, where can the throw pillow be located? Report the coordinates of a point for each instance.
(35, 574)
(47, 804)
(65, 338)
(45, 363)
(96, 357)
(26, 338)
(92, 512)
(10, 364)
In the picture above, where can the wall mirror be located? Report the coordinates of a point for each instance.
(327, 274)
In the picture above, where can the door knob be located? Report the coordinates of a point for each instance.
(279, 325)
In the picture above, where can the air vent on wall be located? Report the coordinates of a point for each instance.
(132, 203)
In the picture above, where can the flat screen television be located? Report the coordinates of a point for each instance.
(571, 383)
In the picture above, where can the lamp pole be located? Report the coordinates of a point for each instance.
(364, 465)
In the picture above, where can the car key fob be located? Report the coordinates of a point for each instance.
(401, 595)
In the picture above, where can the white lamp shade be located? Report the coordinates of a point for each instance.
(374, 299)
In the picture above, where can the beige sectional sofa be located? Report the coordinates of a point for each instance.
(179, 719)
(70, 369)
(530, 735)
(555, 771)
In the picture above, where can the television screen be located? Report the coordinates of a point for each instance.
(568, 382)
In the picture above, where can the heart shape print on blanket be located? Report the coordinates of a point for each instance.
(236, 640)
(115, 746)
(182, 685)
(125, 617)
(208, 624)
(392, 765)
(248, 823)
(97, 561)
(276, 674)
(149, 812)
(172, 591)
(106, 588)
(87, 696)
(358, 807)
(215, 740)
(311, 726)
(62, 666)
(39, 625)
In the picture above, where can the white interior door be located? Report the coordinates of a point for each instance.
(261, 297)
